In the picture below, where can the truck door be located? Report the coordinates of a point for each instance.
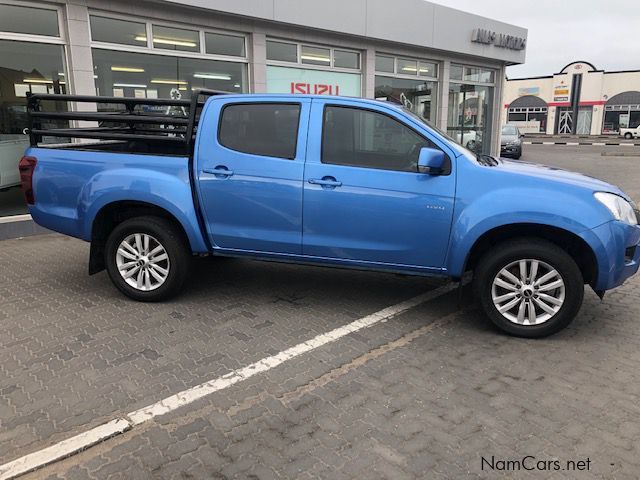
(250, 166)
(364, 200)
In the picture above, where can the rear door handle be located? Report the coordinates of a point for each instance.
(220, 171)
(325, 182)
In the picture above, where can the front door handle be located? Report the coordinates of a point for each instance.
(220, 171)
(325, 182)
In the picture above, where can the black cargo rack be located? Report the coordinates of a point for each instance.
(137, 120)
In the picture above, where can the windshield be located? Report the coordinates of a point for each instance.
(509, 130)
(482, 159)
(457, 144)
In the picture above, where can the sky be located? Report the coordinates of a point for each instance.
(602, 32)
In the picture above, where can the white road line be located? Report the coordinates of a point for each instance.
(548, 143)
(626, 145)
(87, 439)
(63, 449)
(573, 143)
(186, 397)
(598, 144)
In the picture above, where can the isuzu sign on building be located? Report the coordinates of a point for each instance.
(502, 40)
(314, 82)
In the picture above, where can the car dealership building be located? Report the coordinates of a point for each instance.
(446, 65)
(580, 99)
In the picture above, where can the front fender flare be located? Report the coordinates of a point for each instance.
(511, 207)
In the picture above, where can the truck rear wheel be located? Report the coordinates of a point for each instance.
(529, 287)
(147, 258)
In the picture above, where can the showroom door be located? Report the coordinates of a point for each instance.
(584, 121)
(565, 121)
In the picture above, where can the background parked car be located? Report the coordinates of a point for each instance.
(510, 142)
(630, 132)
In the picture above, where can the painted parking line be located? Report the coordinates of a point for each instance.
(63, 449)
(87, 439)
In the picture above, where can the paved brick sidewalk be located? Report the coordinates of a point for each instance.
(74, 352)
(428, 408)
(382, 403)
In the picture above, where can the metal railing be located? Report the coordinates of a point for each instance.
(133, 119)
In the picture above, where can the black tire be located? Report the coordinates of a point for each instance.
(170, 238)
(628, 136)
(501, 255)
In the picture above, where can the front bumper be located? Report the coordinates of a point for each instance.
(616, 246)
(510, 149)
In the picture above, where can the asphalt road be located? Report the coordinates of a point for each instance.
(623, 171)
(434, 391)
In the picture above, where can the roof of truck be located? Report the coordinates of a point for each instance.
(310, 96)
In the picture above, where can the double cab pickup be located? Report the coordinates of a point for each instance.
(321, 180)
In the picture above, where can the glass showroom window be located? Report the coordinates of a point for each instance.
(25, 66)
(312, 69)
(178, 39)
(29, 20)
(397, 79)
(123, 32)
(470, 110)
(223, 44)
(125, 74)
(334, 58)
(220, 63)
(419, 96)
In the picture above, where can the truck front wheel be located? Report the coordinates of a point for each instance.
(529, 287)
(147, 258)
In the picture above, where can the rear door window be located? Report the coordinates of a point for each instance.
(265, 129)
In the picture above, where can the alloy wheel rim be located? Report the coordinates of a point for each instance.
(143, 262)
(528, 292)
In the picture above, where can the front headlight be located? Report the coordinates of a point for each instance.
(618, 206)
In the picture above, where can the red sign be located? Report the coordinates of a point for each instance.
(315, 88)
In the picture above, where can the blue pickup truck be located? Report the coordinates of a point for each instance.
(321, 180)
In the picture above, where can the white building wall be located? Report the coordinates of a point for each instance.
(597, 87)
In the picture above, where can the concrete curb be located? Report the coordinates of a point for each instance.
(18, 226)
(635, 153)
(573, 144)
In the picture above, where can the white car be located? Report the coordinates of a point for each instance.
(11, 150)
(630, 133)
(468, 138)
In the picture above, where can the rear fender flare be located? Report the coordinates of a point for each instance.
(169, 192)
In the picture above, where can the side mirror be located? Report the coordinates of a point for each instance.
(431, 161)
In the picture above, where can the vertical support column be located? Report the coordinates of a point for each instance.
(597, 119)
(498, 112)
(576, 89)
(79, 59)
(369, 73)
(258, 62)
(551, 120)
(443, 96)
